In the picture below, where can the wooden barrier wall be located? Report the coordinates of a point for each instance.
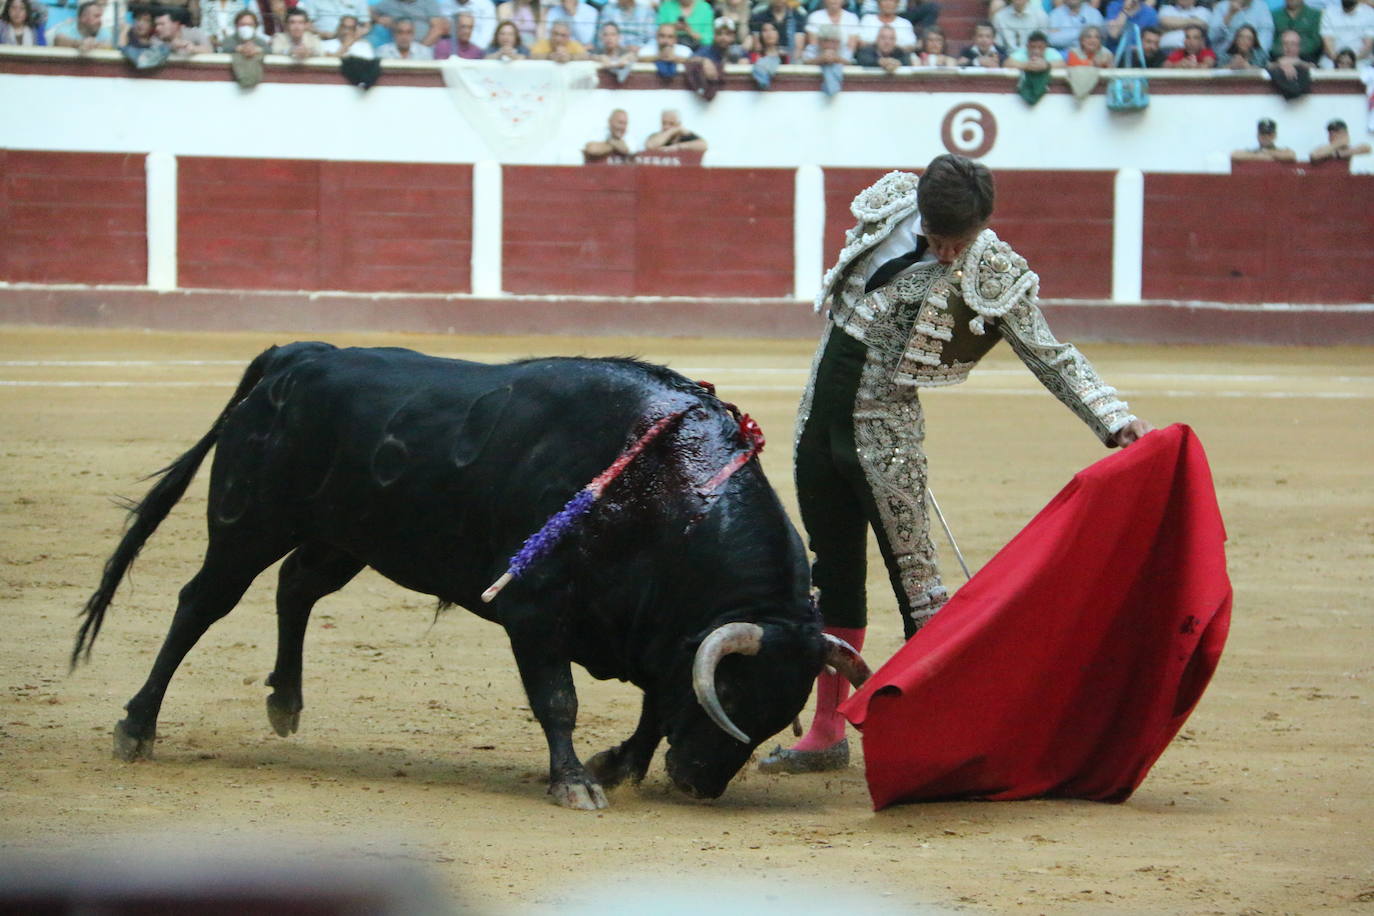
(1295, 235)
(1300, 236)
(73, 218)
(648, 231)
(303, 224)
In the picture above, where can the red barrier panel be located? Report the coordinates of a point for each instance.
(301, 224)
(1060, 221)
(648, 231)
(1278, 237)
(73, 217)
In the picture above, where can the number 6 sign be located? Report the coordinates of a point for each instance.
(969, 130)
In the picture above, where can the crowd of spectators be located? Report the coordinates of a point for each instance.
(699, 38)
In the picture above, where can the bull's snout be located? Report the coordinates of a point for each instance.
(694, 780)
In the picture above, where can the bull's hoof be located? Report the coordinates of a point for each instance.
(284, 718)
(614, 766)
(129, 748)
(579, 796)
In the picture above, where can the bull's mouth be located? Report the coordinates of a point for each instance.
(689, 787)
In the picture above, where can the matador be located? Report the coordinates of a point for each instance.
(920, 292)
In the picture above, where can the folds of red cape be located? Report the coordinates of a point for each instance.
(1069, 662)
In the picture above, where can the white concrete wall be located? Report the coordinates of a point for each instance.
(1177, 133)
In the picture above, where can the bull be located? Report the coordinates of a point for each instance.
(433, 471)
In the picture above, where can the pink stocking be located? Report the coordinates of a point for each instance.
(827, 727)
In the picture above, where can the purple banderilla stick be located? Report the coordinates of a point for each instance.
(538, 545)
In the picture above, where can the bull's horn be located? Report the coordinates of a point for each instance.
(845, 659)
(744, 638)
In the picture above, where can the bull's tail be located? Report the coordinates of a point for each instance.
(145, 516)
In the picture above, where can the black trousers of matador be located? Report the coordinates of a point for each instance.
(860, 465)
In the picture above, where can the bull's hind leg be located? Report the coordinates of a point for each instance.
(223, 578)
(311, 572)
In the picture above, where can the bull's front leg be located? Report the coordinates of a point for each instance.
(553, 700)
(630, 760)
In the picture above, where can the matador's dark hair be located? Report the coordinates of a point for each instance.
(955, 195)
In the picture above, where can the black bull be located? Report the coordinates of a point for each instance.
(434, 471)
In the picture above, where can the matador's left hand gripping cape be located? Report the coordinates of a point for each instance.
(939, 316)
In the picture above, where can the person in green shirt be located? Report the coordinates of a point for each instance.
(693, 19)
(1304, 20)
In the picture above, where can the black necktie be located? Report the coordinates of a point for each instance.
(897, 265)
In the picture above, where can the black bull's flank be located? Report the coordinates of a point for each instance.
(434, 471)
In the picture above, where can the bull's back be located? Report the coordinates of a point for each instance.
(425, 468)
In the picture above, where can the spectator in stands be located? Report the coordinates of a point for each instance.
(1015, 23)
(1176, 16)
(829, 51)
(637, 21)
(1068, 20)
(348, 40)
(297, 41)
(666, 52)
(1194, 55)
(1337, 145)
(217, 18)
(1149, 46)
(172, 28)
(673, 136)
(884, 53)
(84, 32)
(1121, 14)
(1289, 74)
(613, 57)
(1245, 52)
(922, 14)
(507, 43)
(984, 52)
(1089, 51)
(1306, 21)
(528, 19)
(325, 16)
(581, 19)
(559, 47)
(706, 70)
(273, 14)
(1267, 149)
(693, 19)
(887, 16)
(767, 54)
(247, 38)
(1345, 60)
(832, 13)
(1229, 15)
(1036, 55)
(934, 49)
(16, 27)
(403, 44)
(139, 37)
(461, 45)
(790, 25)
(484, 19)
(1349, 24)
(614, 144)
(739, 12)
(427, 23)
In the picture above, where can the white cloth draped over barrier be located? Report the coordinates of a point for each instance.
(513, 104)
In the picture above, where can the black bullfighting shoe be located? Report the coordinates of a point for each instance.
(785, 760)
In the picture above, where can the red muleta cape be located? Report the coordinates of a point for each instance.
(1069, 662)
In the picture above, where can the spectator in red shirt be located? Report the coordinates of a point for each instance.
(1194, 55)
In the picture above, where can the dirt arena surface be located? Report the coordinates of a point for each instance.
(416, 743)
